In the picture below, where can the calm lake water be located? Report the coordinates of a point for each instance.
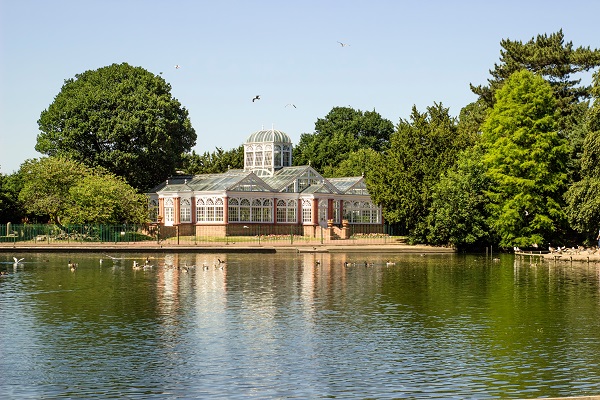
(298, 326)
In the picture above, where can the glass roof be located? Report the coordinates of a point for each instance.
(238, 179)
(288, 175)
(206, 182)
(343, 184)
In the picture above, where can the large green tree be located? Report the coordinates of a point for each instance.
(67, 192)
(562, 65)
(551, 58)
(583, 197)
(457, 215)
(526, 160)
(421, 150)
(121, 118)
(341, 132)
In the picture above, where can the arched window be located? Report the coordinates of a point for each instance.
(185, 210)
(323, 207)
(306, 210)
(250, 157)
(277, 156)
(287, 211)
(209, 209)
(268, 156)
(287, 156)
(245, 210)
(200, 210)
(169, 210)
(258, 156)
(234, 210)
(361, 212)
(267, 211)
(250, 210)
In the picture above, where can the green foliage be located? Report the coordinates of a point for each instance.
(590, 160)
(121, 118)
(46, 184)
(583, 197)
(421, 150)
(357, 164)
(10, 208)
(526, 161)
(457, 215)
(470, 119)
(558, 62)
(105, 199)
(583, 207)
(550, 57)
(67, 192)
(343, 131)
(213, 163)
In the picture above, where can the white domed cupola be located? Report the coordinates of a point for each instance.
(266, 151)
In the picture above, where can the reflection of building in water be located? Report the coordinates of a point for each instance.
(269, 195)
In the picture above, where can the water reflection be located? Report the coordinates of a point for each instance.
(299, 325)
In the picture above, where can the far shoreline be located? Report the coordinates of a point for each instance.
(220, 248)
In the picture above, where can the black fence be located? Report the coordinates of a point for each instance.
(127, 234)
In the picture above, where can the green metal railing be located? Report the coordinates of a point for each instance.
(251, 234)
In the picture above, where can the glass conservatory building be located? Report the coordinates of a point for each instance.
(269, 192)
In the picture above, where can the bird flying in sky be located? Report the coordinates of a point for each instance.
(343, 44)
(177, 66)
(290, 104)
(257, 97)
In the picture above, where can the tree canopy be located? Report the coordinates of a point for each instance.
(583, 197)
(526, 160)
(68, 192)
(342, 131)
(121, 118)
(457, 215)
(421, 149)
(550, 57)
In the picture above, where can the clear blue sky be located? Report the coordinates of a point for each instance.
(400, 54)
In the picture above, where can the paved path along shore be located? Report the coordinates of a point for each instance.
(220, 247)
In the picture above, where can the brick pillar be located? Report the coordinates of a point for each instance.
(299, 222)
(193, 200)
(315, 212)
(161, 209)
(329, 209)
(176, 210)
(274, 210)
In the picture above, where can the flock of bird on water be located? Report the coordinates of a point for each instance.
(568, 250)
(218, 264)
